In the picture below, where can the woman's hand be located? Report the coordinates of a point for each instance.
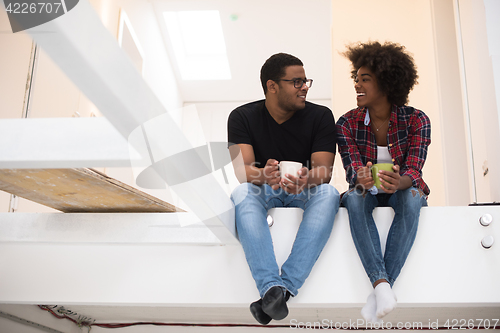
(389, 181)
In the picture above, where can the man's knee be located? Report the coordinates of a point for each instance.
(325, 194)
(326, 190)
(241, 192)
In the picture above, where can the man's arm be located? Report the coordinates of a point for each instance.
(246, 171)
(322, 167)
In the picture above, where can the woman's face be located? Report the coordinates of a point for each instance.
(368, 93)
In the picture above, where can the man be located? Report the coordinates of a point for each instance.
(282, 127)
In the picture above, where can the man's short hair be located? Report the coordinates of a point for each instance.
(392, 65)
(274, 68)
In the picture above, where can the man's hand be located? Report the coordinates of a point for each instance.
(364, 180)
(272, 174)
(295, 184)
(389, 181)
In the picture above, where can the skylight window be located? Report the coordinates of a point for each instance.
(198, 44)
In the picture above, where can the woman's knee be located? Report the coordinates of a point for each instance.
(412, 197)
(354, 199)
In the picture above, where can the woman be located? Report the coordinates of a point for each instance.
(383, 130)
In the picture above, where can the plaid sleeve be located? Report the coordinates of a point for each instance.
(348, 149)
(419, 140)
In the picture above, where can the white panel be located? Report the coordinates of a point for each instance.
(112, 228)
(453, 130)
(53, 94)
(14, 66)
(492, 10)
(482, 103)
(446, 258)
(62, 143)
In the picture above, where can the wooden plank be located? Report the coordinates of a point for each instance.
(79, 190)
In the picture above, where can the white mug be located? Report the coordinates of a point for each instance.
(289, 167)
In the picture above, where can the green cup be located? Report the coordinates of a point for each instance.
(376, 168)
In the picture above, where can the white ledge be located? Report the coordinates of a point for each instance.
(447, 264)
(87, 143)
(106, 228)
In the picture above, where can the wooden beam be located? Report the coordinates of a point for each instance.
(80, 190)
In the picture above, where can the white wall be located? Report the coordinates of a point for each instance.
(14, 64)
(492, 11)
(54, 95)
(481, 31)
(453, 131)
(480, 92)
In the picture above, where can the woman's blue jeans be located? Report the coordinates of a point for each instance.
(406, 205)
(320, 205)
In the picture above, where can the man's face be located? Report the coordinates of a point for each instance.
(289, 97)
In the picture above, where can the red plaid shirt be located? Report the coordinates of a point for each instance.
(408, 137)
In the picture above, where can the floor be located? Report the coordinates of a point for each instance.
(238, 319)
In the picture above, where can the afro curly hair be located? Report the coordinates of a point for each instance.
(393, 67)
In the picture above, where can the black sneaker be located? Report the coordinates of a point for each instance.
(274, 303)
(258, 314)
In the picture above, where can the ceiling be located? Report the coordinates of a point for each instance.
(261, 29)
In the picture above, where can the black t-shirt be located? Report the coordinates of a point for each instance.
(309, 130)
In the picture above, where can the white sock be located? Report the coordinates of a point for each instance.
(386, 299)
(369, 311)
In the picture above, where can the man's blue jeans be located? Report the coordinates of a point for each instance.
(320, 205)
(406, 205)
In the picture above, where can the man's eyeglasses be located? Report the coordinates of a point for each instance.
(298, 83)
